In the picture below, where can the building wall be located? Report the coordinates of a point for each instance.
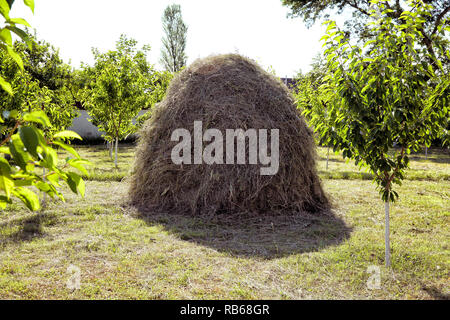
(86, 129)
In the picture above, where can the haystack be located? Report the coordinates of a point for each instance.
(226, 92)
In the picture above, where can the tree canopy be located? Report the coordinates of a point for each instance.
(121, 83)
(360, 10)
(43, 84)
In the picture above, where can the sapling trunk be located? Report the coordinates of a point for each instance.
(328, 156)
(44, 198)
(387, 243)
(110, 147)
(115, 160)
(426, 153)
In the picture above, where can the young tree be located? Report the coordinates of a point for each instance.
(122, 83)
(173, 54)
(384, 94)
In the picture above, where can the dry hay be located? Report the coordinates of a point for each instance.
(226, 92)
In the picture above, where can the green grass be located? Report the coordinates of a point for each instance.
(124, 255)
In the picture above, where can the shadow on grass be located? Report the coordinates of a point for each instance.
(25, 228)
(430, 159)
(266, 237)
(436, 293)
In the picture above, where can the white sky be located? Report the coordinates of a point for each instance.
(258, 29)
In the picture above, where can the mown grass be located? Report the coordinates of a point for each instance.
(125, 255)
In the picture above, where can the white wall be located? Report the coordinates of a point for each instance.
(86, 129)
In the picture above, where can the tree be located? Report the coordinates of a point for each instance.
(23, 145)
(6, 44)
(173, 54)
(428, 34)
(313, 100)
(161, 85)
(121, 84)
(383, 95)
(43, 84)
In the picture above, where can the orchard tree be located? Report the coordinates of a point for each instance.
(159, 90)
(23, 146)
(43, 84)
(313, 10)
(383, 95)
(173, 54)
(121, 84)
(12, 26)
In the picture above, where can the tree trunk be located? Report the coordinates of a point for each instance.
(426, 153)
(110, 147)
(328, 156)
(44, 198)
(387, 243)
(115, 160)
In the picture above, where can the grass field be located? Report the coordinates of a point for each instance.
(124, 255)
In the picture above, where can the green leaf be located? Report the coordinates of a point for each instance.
(76, 183)
(38, 117)
(5, 168)
(29, 4)
(42, 140)
(5, 86)
(368, 85)
(45, 187)
(30, 140)
(24, 182)
(28, 197)
(67, 147)
(4, 201)
(5, 150)
(82, 187)
(19, 21)
(78, 164)
(50, 158)
(6, 183)
(22, 34)
(14, 114)
(5, 36)
(67, 134)
(17, 149)
(4, 9)
(15, 56)
(54, 179)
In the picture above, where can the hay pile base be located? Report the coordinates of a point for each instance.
(226, 92)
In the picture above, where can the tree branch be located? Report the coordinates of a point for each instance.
(10, 134)
(439, 18)
(355, 5)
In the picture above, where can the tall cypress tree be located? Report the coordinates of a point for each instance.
(173, 55)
